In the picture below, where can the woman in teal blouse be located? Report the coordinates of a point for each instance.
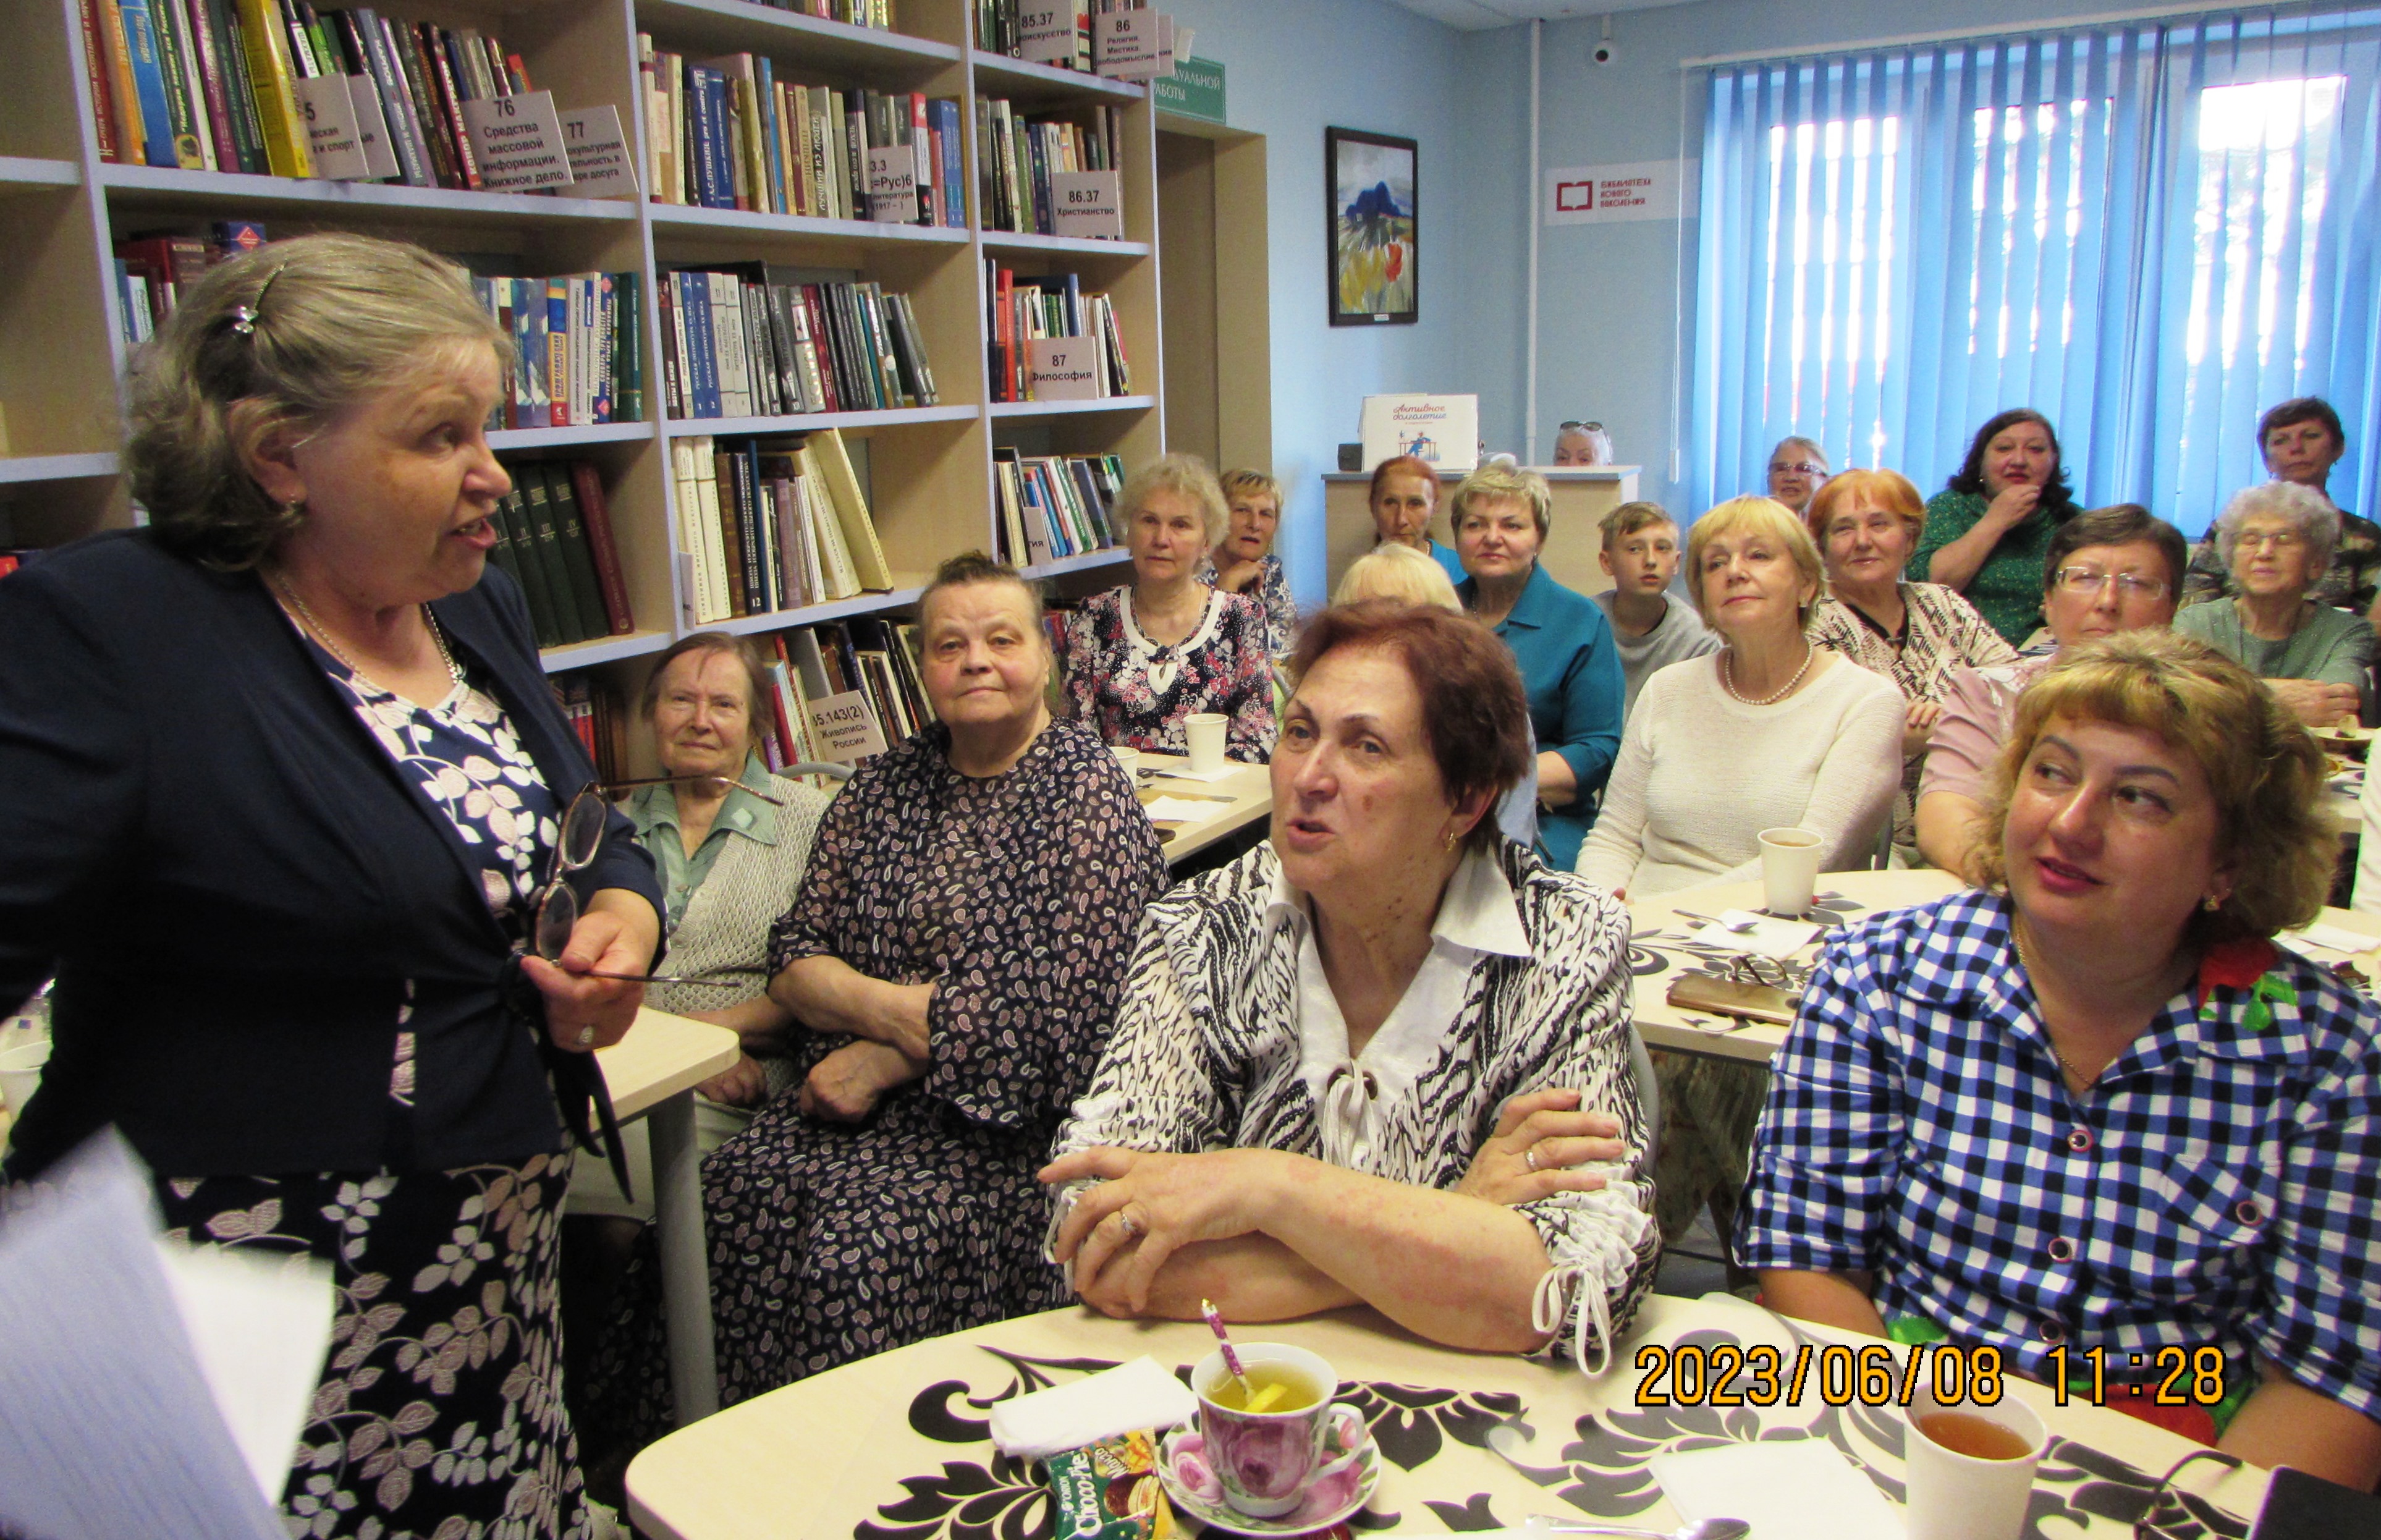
(1570, 665)
(1987, 530)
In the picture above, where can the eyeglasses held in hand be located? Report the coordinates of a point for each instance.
(610, 791)
(2174, 1508)
(2129, 585)
(555, 912)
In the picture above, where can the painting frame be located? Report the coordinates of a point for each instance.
(1372, 274)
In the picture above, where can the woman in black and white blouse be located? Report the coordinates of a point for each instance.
(1288, 1116)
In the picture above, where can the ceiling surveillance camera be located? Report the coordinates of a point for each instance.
(1604, 52)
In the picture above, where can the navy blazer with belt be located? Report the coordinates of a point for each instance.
(240, 893)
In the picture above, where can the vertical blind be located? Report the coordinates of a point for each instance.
(2148, 231)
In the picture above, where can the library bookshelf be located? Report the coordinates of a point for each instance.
(928, 471)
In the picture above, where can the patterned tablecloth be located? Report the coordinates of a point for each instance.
(894, 1448)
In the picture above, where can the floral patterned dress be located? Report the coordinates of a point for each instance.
(1135, 693)
(1271, 591)
(1020, 893)
(440, 1412)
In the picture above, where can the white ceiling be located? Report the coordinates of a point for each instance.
(1477, 16)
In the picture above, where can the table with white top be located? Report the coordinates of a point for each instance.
(1664, 943)
(896, 1446)
(651, 1074)
(1241, 797)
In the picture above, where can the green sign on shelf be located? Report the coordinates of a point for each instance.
(1194, 90)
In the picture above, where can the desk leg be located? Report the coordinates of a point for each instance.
(685, 1275)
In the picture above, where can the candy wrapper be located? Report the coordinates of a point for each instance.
(1109, 1491)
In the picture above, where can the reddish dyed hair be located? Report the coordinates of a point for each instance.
(1475, 715)
(1404, 465)
(1889, 490)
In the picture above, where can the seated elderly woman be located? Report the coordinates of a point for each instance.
(2276, 539)
(1570, 665)
(1244, 563)
(2302, 441)
(1797, 469)
(2092, 1116)
(1404, 495)
(1582, 444)
(954, 959)
(1866, 522)
(729, 841)
(1142, 656)
(1769, 732)
(1384, 1058)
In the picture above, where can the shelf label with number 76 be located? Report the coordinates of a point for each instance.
(518, 142)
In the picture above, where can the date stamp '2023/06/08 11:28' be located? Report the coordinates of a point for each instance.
(1725, 1374)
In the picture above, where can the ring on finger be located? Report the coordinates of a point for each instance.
(1126, 1223)
(1531, 1157)
(587, 1037)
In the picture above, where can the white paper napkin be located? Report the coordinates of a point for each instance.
(1794, 1489)
(1134, 1395)
(1768, 937)
(1182, 810)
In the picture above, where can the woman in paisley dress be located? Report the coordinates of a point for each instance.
(1384, 1058)
(1143, 656)
(287, 780)
(955, 954)
(1244, 561)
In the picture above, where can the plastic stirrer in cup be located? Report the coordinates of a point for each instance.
(1232, 1359)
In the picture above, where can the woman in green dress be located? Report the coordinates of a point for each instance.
(1987, 530)
(2276, 539)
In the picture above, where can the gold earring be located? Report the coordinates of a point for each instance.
(2211, 903)
(1449, 839)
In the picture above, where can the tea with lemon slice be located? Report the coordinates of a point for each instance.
(1272, 1387)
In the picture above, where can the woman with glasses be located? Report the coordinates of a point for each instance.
(285, 788)
(729, 841)
(1915, 634)
(2090, 1115)
(2301, 440)
(2277, 541)
(1988, 527)
(1797, 467)
(1582, 444)
(953, 961)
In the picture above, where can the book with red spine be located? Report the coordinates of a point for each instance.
(441, 71)
(597, 516)
(212, 83)
(94, 64)
(813, 302)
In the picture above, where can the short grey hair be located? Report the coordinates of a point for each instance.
(1808, 445)
(289, 336)
(1185, 474)
(2309, 512)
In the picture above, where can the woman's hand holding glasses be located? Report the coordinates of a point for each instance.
(593, 986)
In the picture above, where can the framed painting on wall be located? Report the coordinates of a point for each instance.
(1370, 181)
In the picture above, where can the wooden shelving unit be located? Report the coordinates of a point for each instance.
(929, 469)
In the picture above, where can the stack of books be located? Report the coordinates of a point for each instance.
(1021, 313)
(152, 270)
(878, 658)
(1056, 505)
(593, 708)
(577, 353)
(752, 342)
(725, 133)
(554, 535)
(1015, 158)
(211, 85)
(769, 524)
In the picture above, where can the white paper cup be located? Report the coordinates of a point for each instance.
(21, 1074)
(1960, 1497)
(1129, 758)
(1789, 870)
(1206, 731)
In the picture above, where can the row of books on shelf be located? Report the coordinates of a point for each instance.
(725, 133)
(1056, 505)
(577, 351)
(1016, 157)
(752, 341)
(152, 270)
(1042, 309)
(219, 85)
(553, 537)
(769, 524)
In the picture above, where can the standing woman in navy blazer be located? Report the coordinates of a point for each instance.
(285, 787)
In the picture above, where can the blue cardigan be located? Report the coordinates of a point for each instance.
(1570, 669)
(234, 884)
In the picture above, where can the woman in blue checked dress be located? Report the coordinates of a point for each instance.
(2093, 1110)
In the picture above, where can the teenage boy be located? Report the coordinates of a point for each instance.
(1641, 553)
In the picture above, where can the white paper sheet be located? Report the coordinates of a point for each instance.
(1182, 810)
(1777, 938)
(2331, 938)
(1791, 1490)
(108, 1426)
(1184, 772)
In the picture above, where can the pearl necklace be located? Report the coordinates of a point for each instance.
(1728, 677)
(2025, 960)
(305, 613)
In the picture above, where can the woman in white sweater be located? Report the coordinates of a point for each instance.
(1771, 730)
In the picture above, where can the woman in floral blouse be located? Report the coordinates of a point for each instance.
(1244, 563)
(1142, 657)
(2090, 1114)
(1866, 523)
